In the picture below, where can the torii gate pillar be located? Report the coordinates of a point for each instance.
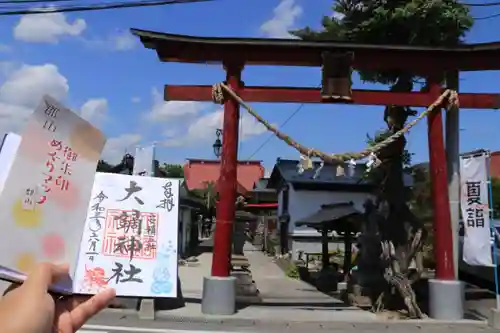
(446, 298)
(453, 166)
(219, 290)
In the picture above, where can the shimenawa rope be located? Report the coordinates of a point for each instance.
(448, 98)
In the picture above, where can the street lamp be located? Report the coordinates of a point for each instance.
(218, 143)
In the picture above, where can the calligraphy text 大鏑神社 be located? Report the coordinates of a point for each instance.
(121, 275)
(128, 245)
(131, 190)
(168, 200)
(130, 242)
(475, 210)
(95, 224)
(130, 222)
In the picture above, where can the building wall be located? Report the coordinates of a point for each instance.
(495, 164)
(304, 203)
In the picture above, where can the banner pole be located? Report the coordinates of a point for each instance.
(494, 233)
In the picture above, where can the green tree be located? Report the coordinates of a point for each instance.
(173, 170)
(396, 22)
(381, 136)
(209, 196)
(421, 192)
(103, 166)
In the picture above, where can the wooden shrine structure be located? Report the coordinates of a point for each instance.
(337, 61)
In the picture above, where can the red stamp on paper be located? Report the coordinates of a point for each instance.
(130, 234)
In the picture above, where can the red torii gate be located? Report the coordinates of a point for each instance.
(235, 53)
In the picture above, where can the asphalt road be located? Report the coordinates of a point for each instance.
(115, 322)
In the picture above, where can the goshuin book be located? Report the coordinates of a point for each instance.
(112, 230)
(129, 241)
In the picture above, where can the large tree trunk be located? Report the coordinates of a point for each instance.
(391, 226)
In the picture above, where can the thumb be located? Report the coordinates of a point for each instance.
(44, 275)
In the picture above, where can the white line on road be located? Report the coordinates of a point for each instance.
(105, 328)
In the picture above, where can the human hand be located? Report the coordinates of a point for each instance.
(29, 308)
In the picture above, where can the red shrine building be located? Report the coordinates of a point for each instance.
(495, 164)
(199, 173)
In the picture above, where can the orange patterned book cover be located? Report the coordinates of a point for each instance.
(44, 201)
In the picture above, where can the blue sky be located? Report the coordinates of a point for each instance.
(91, 62)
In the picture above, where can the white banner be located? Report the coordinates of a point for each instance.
(475, 209)
(144, 161)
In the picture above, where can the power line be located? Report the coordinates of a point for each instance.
(487, 17)
(115, 5)
(30, 1)
(272, 135)
(483, 4)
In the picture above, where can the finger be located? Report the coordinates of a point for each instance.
(45, 274)
(86, 308)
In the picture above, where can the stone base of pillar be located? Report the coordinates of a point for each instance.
(147, 309)
(446, 299)
(219, 295)
(494, 318)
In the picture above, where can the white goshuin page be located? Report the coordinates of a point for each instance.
(130, 238)
(45, 196)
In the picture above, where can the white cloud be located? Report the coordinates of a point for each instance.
(94, 110)
(135, 99)
(22, 90)
(47, 28)
(6, 68)
(202, 129)
(23, 87)
(117, 41)
(162, 111)
(283, 20)
(116, 147)
(123, 41)
(28, 84)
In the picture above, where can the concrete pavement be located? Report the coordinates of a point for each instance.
(288, 304)
(282, 298)
(118, 322)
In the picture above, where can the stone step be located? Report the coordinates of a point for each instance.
(240, 263)
(243, 279)
(238, 257)
(248, 299)
(247, 289)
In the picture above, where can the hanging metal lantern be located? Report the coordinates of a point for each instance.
(336, 83)
(217, 146)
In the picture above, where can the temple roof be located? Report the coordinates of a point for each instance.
(295, 52)
(199, 173)
(327, 179)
